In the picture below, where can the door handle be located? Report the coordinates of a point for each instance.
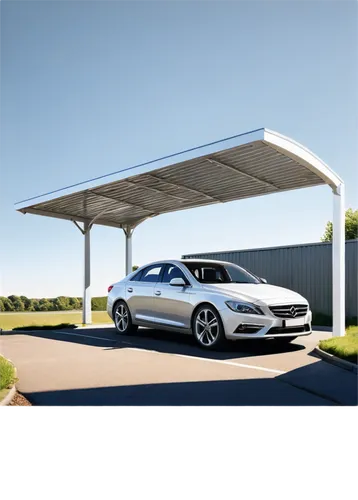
(158, 292)
(130, 289)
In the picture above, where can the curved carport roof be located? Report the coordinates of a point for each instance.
(252, 164)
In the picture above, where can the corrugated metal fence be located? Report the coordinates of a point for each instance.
(307, 269)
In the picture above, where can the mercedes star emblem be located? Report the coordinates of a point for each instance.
(293, 311)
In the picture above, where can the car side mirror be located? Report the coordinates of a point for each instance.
(263, 280)
(177, 282)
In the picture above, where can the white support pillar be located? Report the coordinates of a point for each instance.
(338, 263)
(86, 305)
(128, 231)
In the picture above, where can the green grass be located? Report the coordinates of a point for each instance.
(343, 347)
(7, 374)
(8, 321)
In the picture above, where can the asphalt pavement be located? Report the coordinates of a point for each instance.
(96, 366)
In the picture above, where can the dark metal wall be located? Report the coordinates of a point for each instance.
(307, 269)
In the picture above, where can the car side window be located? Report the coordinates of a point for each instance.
(137, 276)
(151, 274)
(171, 272)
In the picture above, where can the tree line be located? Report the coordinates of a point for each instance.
(15, 303)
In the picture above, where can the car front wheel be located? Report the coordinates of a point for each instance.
(122, 319)
(208, 329)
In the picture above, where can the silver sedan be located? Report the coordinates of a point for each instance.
(212, 300)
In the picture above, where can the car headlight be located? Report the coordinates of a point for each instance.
(243, 307)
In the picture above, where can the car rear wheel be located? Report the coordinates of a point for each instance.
(122, 319)
(285, 340)
(207, 327)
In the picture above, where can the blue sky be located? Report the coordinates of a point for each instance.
(88, 88)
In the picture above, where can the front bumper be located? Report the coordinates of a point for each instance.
(268, 326)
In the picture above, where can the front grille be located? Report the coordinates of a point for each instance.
(277, 330)
(289, 310)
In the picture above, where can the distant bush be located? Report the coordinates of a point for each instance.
(75, 303)
(7, 304)
(34, 305)
(13, 303)
(26, 302)
(17, 303)
(46, 305)
(62, 304)
(99, 303)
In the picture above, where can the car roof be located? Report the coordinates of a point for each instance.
(185, 261)
(205, 261)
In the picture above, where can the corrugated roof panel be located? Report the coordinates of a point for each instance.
(248, 166)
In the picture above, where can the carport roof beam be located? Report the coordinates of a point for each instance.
(252, 177)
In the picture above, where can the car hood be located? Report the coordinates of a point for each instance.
(257, 293)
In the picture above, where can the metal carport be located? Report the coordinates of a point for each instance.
(251, 164)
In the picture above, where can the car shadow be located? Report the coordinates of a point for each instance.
(317, 384)
(172, 343)
(245, 392)
(164, 342)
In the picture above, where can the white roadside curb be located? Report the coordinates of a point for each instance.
(346, 365)
(9, 397)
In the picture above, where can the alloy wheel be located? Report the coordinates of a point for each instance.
(206, 327)
(121, 318)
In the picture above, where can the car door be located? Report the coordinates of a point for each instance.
(139, 293)
(171, 304)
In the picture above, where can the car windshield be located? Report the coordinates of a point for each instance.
(212, 272)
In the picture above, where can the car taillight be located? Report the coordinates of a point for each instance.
(110, 288)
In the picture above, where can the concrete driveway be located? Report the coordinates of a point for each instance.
(95, 366)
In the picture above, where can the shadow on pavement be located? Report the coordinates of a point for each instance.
(247, 392)
(329, 381)
(164, 342)
(319, 383)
